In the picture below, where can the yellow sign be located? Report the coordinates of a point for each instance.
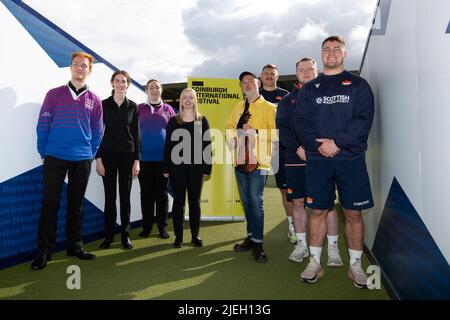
(220, 199)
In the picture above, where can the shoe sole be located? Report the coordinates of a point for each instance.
(261, 260)
(242, 249)
(335, 264)
(313, 280)
(357, 285)
(74, 255)
(295, 260)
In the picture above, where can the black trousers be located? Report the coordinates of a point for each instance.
(186, 178)
(120, 163)
(55, 171)
(153, 191)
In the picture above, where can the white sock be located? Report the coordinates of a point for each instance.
(355, 255)
(315, 253)
(290, 222)
(332, 240)
(301, 237)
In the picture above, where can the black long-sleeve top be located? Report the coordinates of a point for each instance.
(193, 138)
(121, 128)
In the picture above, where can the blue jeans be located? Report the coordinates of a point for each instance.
(251, 188)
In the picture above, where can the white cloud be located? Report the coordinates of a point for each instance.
(144, 37)
(312, 31)
(171, 40)
(359, 33)
(243, 9)
(267, 36)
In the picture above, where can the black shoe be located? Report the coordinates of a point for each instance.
(245, 245)
(259, 254)
(144, 234)
(126, 243)
(197, 241)
(178, 243)
(106, 243)
(164, 235)
(80, 253)
(40, 261)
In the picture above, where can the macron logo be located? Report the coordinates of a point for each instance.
(317, 85)
(46, 114)
(358, 204)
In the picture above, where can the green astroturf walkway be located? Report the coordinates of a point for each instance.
(156, 270)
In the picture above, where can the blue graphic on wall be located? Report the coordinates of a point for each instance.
(47, 35)
(448, 28)
(57, 43)
(407, 253)
(20, 203)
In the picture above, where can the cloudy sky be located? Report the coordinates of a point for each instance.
(172, 39)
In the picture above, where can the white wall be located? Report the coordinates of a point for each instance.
(27, 74)
(408, 69)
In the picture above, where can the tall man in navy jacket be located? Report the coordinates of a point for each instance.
(334, 113)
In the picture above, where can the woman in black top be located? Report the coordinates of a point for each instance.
(187, 160)
(120, 153)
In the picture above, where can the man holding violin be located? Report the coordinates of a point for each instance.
(250, 131)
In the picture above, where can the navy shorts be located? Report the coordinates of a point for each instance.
(280, 176)
(350, 178)
(295, 179)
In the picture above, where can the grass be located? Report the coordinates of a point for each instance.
(153, 269)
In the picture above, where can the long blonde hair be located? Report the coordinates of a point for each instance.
(197, 115)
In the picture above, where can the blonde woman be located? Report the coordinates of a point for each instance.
(187, 162)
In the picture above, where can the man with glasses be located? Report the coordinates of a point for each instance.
(334, 114)
(69, 132)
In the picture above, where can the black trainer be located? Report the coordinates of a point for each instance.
(40, 261)
(144, 234)
(197, 241)
(106, 243)
(126, 243)
(259, 254)
(163, 234)
(245, 245)
(178, 243)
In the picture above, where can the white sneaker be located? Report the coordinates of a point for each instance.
(312, 272)
(300, 252)
(291, 235)
(334, 258)
(357, 274)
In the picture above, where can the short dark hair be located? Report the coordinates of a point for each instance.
(306, 59)
(270, 66)
(334, 38)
